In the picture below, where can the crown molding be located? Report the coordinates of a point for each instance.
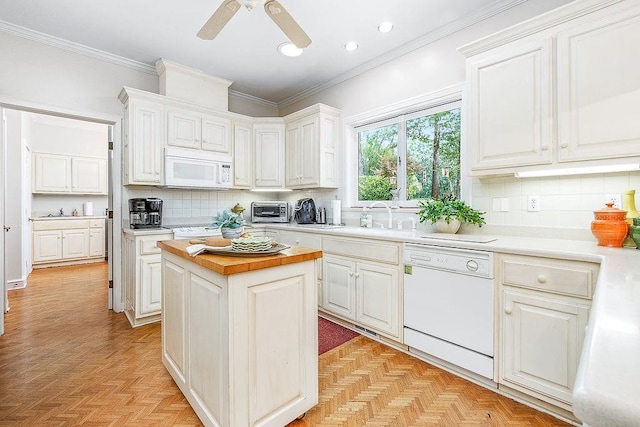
(489, 11)
(253, 99)
(76, 48)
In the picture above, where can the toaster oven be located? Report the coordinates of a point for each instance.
(276, 212)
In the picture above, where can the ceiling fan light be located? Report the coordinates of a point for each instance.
(289, 49)
(385, 27)
(351, 46)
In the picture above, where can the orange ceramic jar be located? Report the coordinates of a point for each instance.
(610, 226)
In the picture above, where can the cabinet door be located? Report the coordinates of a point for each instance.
(183, 128)
(150, 301)
(88, 175)
(292, 154)
(75, 243)
(96, 242)
(242, 156)
(509, 106)
(51, 173)
(377, 296)
(47, 245)
(146, 143)
(329, 138)
(309, 148)
(541, 343)
(269, 156)
(174, 327)
(598, 88)
(339, 286)
(216, 134)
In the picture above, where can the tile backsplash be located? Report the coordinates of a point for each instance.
(566, 202)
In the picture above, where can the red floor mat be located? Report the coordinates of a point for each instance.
(331, 335)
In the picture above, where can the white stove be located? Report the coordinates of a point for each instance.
(195, 232)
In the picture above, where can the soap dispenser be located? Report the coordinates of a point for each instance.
(364, 217)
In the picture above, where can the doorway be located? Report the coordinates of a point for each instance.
(114, 185)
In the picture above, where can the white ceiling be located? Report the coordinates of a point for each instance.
(246, 49)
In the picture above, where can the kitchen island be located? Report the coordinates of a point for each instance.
(239, 334)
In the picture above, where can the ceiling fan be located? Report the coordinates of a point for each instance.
(274, 9)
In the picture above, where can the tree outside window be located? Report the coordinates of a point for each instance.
(419, 155)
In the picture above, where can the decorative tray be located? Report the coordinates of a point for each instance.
(194, 250)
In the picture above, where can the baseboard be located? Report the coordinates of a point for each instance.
(15, 284)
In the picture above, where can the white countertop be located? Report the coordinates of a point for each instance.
(66, 217)
(146, 231)
(607, 386)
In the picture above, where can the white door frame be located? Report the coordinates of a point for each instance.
(3, 280)
(92, 116)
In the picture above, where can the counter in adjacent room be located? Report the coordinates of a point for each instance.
(239, 334)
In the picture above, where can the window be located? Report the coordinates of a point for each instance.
(410, 157)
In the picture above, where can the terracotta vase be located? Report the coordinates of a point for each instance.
(610, 226)
(452, 227)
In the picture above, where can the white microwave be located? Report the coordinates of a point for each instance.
(185, 168)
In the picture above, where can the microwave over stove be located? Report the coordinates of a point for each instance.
(275, 212)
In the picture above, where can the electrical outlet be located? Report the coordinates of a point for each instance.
(533, 203)
(614, 198)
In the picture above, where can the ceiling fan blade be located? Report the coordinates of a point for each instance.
(287, 24)
(219, 19)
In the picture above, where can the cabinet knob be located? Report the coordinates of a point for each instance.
(564, 145)
(357, 275)
(508, 310)
(544, 148)
(351, 273)
(297, 242)
(542, 278)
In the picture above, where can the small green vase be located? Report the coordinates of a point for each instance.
(634, 231)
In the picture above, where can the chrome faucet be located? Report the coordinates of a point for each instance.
(388, 211)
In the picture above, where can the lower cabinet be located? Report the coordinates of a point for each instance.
(545, 307)
(67, 241)
(307, 240)
(361, 284)
(142, 277)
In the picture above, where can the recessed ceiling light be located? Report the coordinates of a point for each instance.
(385, 27)
(289, 49)
(351, 46)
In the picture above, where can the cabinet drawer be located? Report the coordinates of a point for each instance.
(61, 224)
(365, 249)
(96, 223)
(148, 243)
(572, 278)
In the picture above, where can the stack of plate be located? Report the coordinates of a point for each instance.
(251, 244)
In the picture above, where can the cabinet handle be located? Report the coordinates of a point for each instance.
(351, 273)
(542, 278)
(297, 242)
(544, 148)
(564, 145)
(357, 275)
(508, 310)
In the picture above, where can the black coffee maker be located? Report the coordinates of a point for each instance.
(145, 213)
(305, 211)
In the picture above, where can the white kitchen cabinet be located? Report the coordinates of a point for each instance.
(67, 241)
(598, 87)
(311, 148)
(142, 277)
(361, 283)
(144, 138)
(268, 157)
(544, 309)
(242, 155)
(307, 240)
(66, 174)
(509, 105)
(192, 129)
(557, 91)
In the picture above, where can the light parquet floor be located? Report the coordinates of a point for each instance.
(66, 360)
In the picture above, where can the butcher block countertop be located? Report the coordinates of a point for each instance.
(227, 265)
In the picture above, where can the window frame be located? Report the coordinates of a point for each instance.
(431, 103)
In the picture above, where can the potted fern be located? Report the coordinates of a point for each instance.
(231, 224)
(448, 213)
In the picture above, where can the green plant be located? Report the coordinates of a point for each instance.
(449, 207)
(227, 219)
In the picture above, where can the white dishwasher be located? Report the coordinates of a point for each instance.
(448, 305)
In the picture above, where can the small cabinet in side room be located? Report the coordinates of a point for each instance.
(544, 309)
(141, 275)
(67, 241)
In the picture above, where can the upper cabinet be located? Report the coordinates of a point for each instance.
(144, 136)
(191, 129)
(268, 139)
(311, 148)
(242, 155)
(558, 90)
(66, 174)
